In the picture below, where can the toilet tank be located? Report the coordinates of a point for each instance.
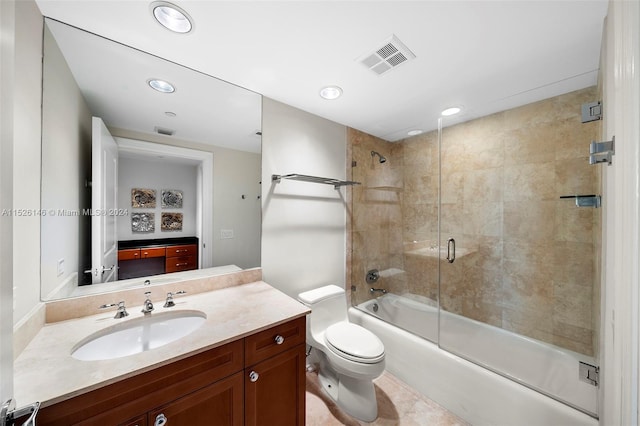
(328, 306)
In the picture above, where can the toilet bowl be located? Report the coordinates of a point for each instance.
(349, 356)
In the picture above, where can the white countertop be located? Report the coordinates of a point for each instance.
(46, 372)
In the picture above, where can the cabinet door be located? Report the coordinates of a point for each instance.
(275, 390)
(219, 404)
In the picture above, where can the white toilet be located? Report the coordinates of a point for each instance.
(350, 356)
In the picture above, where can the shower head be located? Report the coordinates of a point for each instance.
(382, 158)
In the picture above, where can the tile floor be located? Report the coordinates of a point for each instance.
(398, 404)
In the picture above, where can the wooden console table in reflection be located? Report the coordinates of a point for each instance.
(141, 258)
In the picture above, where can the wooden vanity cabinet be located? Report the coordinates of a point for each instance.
(154, 257)
(275, 380)
(215, 387)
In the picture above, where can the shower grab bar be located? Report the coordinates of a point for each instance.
(337, 183)
(451, 242)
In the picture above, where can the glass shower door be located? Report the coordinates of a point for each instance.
(521, 295)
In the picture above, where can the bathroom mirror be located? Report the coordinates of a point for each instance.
(201, 142)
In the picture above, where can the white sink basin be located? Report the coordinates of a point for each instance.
(138, 335)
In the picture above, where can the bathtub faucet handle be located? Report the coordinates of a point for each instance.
(372, 276)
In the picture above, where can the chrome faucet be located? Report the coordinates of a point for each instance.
(147, 307)
(120, 313)
(379, 290)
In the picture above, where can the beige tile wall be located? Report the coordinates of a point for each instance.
(531, 261)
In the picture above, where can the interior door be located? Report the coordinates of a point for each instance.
(104, 191)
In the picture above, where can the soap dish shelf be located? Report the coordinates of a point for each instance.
(314, 179)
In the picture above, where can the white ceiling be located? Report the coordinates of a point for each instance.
(485, 56)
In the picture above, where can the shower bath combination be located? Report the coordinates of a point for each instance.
(382, 159)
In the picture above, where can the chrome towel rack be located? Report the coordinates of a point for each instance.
(337, 183)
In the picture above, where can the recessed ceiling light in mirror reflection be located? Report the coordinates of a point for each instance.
(330, 92)
(451, 111)
(161, 85)
(414, 132)
(172, 17)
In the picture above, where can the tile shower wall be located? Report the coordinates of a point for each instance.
(376, 215)
(526, 260)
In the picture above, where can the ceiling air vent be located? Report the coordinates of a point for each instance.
(389, 55)
(163, 131)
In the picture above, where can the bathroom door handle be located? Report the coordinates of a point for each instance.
(108, 269)
(102, 271)
(8, 413)
(451, 254)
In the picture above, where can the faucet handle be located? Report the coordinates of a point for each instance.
(120, 313)
(169, 302)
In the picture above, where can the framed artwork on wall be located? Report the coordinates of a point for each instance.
(143, 222)
(171, 199)
(143, 198)
(171, 222)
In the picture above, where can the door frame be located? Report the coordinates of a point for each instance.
(204, 204)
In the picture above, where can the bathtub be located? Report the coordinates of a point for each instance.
(474, 392)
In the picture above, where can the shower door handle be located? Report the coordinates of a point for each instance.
(451, 253)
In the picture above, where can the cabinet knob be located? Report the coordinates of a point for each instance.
(253, 376)
(279, 339)
(161, 420)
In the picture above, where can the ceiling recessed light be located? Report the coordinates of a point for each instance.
(172, 17)
(414, 132)
(161, 85)
(451, 111)
(330, 92)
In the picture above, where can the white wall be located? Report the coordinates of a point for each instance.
(158, 175)
(236, 173)
(303, 224)
(26, 157)
(66, 153)
(7, 68)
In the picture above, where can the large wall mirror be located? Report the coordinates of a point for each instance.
(195, 151)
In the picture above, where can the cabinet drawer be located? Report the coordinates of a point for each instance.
(264, 344)
(182, 263)
(129, 254)
(152, 252)
(186, 250)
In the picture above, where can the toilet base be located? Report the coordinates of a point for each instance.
(355, 397)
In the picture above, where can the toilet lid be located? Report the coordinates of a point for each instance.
(354, 340)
